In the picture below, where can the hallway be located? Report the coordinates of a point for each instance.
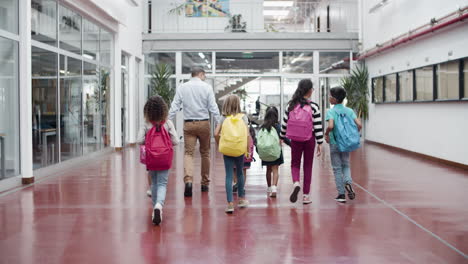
(407, 210)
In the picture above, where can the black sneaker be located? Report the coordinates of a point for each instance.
(188, 189)
(234, 188)
(205, 188)
(351, 193)
(157, 215)
(341, 198)
(293, 197)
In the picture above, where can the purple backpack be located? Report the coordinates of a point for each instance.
(300, 123)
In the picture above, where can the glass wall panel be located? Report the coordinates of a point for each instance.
(44, 107)
(390, 88)
(70, 108)
(9, 108)
(153, 59)
(247, 62)
(197, 59)
(91, 108)
(44, 21)
(377, 84)
(256, 93)
(105, 47)
(448, 86)
(70, 30)
(424, 84)
(90, 40)
(465, 78)
(405, 80)
(325, 84)
(298, 62)
(105, 105)
(9, 15)
(334, 62)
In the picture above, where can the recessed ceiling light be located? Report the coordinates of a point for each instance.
(278, 3)
(275, 12)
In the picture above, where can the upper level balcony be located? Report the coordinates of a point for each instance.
(253, 16)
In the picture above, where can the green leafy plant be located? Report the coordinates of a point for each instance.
(242, 93)
(357, 92)
(160, 82)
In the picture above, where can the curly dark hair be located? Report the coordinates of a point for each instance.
(156, 110)
(303, 88)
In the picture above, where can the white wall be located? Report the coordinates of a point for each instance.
(163, 22)
(436, 129)
(399, 16)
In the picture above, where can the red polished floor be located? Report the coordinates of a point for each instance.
(408, 210)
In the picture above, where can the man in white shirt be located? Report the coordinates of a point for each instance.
(197, 100)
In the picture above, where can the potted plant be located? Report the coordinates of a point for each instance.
(357, 92)
(236, 24)
(160, 83)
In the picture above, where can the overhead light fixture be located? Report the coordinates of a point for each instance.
(378, 6)
(278, 3)
(201, 55)
(275, 12)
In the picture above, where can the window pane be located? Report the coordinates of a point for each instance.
(44, 100)
(196, 59)
(334, 62)
(9, 15)
(70, 30)
(9, 114)
(465, 78)
(448, 86)
(424, 84)
(105, 105)
(390, 88)
(90, 40)
(256, 94)
(153, 59)
(91, 108)
(44, 21)
(105, 47)
(298, 62)
(70, 109)
(406, 85)
(378, 89)
(247, 62)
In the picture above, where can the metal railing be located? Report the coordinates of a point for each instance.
(254, 16)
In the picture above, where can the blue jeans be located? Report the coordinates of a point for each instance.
(341, 169)
(229, 163)
(158, 186)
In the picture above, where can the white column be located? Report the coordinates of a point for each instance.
(116, 95)
(132, 100)
(26, 146)
(141, 92)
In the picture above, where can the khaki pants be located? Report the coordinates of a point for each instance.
(192, 131)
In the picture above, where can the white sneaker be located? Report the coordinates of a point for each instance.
(148, 192)
(157, 214)
(306, 199)
(269, 190)
(243, 203)
(274, 190)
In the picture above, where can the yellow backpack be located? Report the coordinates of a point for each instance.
(233, 140)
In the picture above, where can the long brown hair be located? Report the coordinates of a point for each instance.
(231, 105)
(303, 88)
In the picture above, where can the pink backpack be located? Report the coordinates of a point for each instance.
(300, 123)
(158, 148)
(251, 150)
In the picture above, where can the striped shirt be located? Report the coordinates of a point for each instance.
(317, 125)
